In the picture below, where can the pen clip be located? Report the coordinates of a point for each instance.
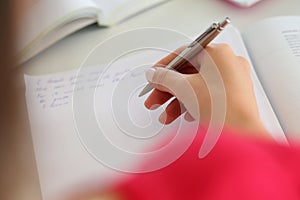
(214, 26)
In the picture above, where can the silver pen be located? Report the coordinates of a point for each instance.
(194, 48)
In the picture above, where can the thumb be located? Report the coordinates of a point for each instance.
(164, 79)
(176, 84)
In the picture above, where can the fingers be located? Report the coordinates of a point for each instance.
(175, 84)
(191, 90)
(224, 82)
(167, 84)
(172, 112)
(161, 94)
(161, 81)
(189, 67)
(156, 99)
(223, 57)
(166, 60)
(164, 80)
(243, 63)
(188, 117)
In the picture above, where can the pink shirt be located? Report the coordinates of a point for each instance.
(237, 168)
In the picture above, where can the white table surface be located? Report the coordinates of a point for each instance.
(186, 16)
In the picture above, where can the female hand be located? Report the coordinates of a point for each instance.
(223, 76)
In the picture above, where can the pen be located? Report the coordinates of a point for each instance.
(194, 48)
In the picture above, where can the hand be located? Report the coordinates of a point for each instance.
(223, 75)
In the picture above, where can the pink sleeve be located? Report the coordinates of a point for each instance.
(237, 168)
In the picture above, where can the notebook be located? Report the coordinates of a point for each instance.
(47, 21)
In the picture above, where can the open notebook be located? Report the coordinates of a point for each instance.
(47, 21)
(63, 161)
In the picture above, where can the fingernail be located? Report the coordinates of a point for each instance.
(149, 74)
(155, 106)
(163, 117)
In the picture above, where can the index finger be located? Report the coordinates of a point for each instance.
(188, 67)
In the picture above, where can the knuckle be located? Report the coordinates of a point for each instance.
(244, 62)
(219, 49)
(159, 76)
(220, 46)
(225, 48)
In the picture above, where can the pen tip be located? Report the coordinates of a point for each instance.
(146, 89)
(142, 93)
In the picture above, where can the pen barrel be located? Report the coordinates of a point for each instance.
(209, 38)
(184, 57)
(198, 45)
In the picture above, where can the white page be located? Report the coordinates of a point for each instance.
(63, 162)
(274, 46)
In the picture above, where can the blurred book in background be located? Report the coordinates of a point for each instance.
(47, 21)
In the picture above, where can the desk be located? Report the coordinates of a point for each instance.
(186, 16)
